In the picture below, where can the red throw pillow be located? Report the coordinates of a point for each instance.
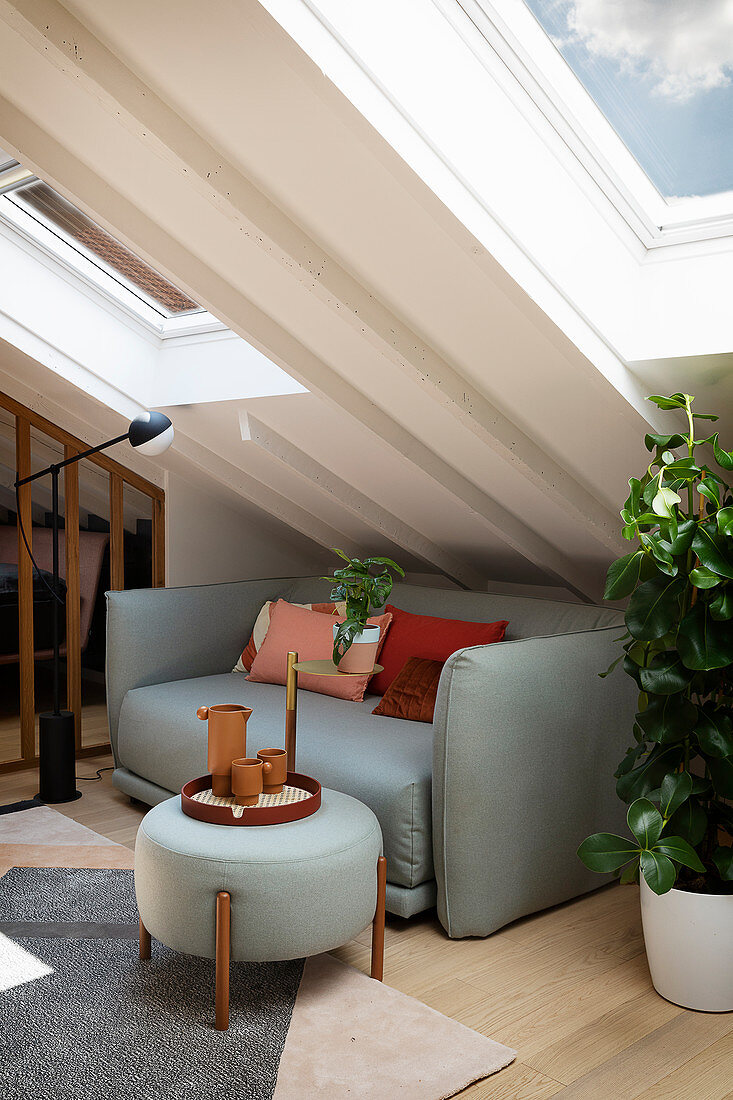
(310, 634)
(426, 636)
(412, 693)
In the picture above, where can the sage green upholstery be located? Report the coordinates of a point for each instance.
(482, 811)
(385, 763)
(296, 889)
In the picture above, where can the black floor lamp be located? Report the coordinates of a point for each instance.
(150, 433)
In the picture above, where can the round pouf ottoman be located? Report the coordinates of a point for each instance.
(260, 893)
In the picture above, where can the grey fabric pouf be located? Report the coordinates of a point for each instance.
(294, 889)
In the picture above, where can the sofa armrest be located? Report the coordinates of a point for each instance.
(155, 635)
(527, 737)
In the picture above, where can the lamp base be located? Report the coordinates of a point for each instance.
(57, 757)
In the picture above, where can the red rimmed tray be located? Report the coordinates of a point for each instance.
(252, 815)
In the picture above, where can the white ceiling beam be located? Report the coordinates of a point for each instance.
(251, 322)
(359, 504)
(261, 495)
(54, 32)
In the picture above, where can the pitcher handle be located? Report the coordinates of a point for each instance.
(202, 713)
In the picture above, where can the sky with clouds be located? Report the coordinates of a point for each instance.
(662, 73)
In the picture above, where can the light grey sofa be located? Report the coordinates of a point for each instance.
(481, 812)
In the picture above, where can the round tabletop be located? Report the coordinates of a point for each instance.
(328, 668)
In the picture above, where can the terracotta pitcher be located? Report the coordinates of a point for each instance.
(227, 742)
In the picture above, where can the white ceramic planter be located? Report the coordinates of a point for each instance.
(362, 652)
(689, 945)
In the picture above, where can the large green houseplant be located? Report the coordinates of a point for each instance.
(678, 776)
(365, 586)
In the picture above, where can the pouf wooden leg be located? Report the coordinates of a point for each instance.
(223, 925)
(378, 922)
(144, 942)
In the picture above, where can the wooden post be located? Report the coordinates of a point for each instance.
(73, 592)
(145, 948)
(158, 543)
(378, 922)
(116, 534)
(25, 594)
(291, 709)
(223, 950)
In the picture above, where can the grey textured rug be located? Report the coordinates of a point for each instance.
(101, 1024)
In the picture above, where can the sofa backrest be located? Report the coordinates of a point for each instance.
(528, 616)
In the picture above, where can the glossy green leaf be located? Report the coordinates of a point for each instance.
(659, 871)
(702, 642)
(721, 773)
(605, 852)
(645, 822)
(684, 468)
(710, 489)
(703, 577)
(630, 873)
(625, 573)
(722, 457)
(649, 774)
(652, 441)
(715, 732)
(675, 790)
(724, 521)
(723, 860)
(652, 608)
(676, 848)
(712, 551)
(676, 401)
(689, 821)
(665, 674)
(667, 718)
(683, 540)
(721, 607)
(705, 416)
(632, 755)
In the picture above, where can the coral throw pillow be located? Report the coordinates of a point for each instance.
(310, 634)
(262, 623)
(428, 637)
(412, 693)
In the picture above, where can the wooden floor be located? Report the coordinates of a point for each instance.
(569, 988)
(94, 728)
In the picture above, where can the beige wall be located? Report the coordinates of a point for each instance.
(209, 540)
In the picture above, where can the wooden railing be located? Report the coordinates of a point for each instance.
(119, 477)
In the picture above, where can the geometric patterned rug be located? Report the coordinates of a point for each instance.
(82, 1017)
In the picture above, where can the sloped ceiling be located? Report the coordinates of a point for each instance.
(448, 418)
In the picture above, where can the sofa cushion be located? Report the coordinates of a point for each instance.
(384, 762)
(413, 691)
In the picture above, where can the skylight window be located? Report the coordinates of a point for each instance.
(662, 74)
(43, 204)
(72, 240)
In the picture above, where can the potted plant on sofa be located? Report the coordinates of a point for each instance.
(365, 586)
(678, 776)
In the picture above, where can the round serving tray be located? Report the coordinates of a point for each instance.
(252, 815)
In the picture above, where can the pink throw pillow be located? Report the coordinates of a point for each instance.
(310, 634)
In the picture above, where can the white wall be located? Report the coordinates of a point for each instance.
(209, 541)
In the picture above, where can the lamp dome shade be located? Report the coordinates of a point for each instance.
(151, 433)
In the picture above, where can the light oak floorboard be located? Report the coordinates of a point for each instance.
(568, 988)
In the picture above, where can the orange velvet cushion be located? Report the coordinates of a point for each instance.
(310, 634)
(412, 693)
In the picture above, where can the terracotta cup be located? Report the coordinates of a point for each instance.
(227, 741)
(273, 779)
(247, 781)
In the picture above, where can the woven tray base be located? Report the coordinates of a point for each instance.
(286, 796)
